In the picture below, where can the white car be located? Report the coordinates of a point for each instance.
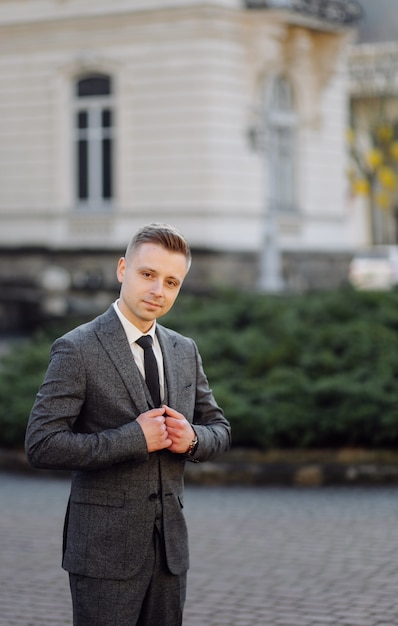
(374, 268)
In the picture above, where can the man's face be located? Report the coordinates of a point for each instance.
(151, 278)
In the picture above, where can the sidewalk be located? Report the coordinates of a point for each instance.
(260, 556)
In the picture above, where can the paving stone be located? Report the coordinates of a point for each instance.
(264, 556)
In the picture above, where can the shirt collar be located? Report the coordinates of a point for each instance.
(133, 333)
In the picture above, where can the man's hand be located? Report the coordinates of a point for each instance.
(153, 425)
(179, 430)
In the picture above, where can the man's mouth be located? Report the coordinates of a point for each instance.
(152, 305)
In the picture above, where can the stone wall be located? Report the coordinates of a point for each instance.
(38, 283)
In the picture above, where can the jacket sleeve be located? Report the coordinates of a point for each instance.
(53, 440)
(212, 428)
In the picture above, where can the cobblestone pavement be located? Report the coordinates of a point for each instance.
(259, 556)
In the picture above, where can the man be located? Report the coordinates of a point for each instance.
(125, 537)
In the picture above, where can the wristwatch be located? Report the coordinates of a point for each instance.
(192, 447)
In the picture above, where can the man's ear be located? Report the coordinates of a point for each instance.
(121, 268)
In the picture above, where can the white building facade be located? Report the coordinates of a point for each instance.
(224, 118)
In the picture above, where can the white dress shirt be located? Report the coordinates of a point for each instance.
(133, 333)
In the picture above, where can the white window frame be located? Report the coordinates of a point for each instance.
(94, 134)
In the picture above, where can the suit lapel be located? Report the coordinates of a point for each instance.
(113, 339)
(168, 345)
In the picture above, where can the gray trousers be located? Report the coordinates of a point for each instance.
(152, 598)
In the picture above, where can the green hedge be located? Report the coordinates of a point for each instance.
(300, 371)
(21, 372)
(303, 371)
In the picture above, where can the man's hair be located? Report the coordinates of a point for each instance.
(163, 235)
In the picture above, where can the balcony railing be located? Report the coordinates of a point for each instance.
(347, 12)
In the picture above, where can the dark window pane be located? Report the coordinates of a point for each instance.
(82, 169)
(106, 118)
(97, 85)
(82, 119)
(107, 169)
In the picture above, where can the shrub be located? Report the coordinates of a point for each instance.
(21, 374)
(301, 371)
(304, 371)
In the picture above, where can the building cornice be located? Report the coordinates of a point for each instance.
(333, 13)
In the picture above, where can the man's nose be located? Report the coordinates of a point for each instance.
(157, 288)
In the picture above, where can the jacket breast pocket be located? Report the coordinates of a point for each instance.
(186, 379)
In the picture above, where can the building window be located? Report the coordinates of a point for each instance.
(94, 142)
(282, 121)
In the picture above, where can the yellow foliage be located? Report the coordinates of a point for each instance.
(350, 136)
(385, 132)
(361, 187)
(374, 158)
(387, 177)
(383, 200)
(394, 150)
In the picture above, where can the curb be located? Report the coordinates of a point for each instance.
(299, 468)
(291, 474)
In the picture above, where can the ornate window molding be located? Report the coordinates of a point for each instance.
(281, 124)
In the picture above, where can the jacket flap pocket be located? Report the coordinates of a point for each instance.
(99, 497)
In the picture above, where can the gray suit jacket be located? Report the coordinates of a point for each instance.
(84, 419)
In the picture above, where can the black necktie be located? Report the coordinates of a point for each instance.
(151, 368)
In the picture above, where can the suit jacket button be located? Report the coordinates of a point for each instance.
(153, 496)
